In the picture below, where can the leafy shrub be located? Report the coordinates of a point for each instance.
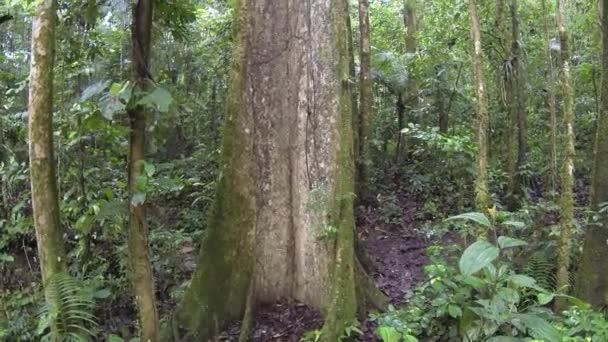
(483, 298)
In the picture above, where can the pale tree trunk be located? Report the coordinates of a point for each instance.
(410, 96)
(593, 275)
(366, 101)
(567, 178)
(282, 227)
(45, 201)
(142, 279)
(482, 197)
(551, 100)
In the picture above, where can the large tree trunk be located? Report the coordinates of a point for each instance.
(366, 100)
(482, 197)
(282, 228)
(593, 276)
(567, 178)
(551, 104)
(142, 278)
(45, 202)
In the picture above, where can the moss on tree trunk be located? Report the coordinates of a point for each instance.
(592, 284)
(283, 222)
(366, 100)
(45, 202)
(482, 196)
(566, 223)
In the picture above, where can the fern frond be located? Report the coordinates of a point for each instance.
(541, 266)
(67, 314)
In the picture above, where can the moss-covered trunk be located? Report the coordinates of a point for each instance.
(282, 228)
(567, 175)
(592, 284)
(482, 197)
(45, 202)
(519, 82)
(366, 100)
(551, 104)
(142, 279)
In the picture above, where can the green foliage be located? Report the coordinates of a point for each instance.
(67, 314)
(486, 298)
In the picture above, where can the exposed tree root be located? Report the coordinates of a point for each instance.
(248, 316)
(368, 294)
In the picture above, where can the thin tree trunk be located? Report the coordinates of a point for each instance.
(482, 197)
(520, 94)
(366, 100)
(567, 179)
(142, 278)
(353, 90)
(283, 223)
(439, 100)
(552, 104)
(593, 274)
(45, 201)
(410, 97)
(400, 110)
(508, 98)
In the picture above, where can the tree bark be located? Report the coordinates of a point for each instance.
(142, 279)
(439, 99)
(353, 87)
(410, 96)
(551, 100)
(508, 96)
(45, 200)
(567, 178)
(482, 197)
(366, 100)
(282, 227)
(520, 93)
(593, 275)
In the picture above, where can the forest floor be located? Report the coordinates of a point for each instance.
(398, 254)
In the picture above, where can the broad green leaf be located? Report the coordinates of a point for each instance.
(507, 242)
(159, 98)
(101, 294)
(94, 89)
(477, 256)
(545, 298)
(138, 198)
(389, 334)
(410, 338)
(454, 310)
(475, 217)
(505, 339)
(115, 338)
(150, 169)
(539, 328)
(523, 281)
(516, 224)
